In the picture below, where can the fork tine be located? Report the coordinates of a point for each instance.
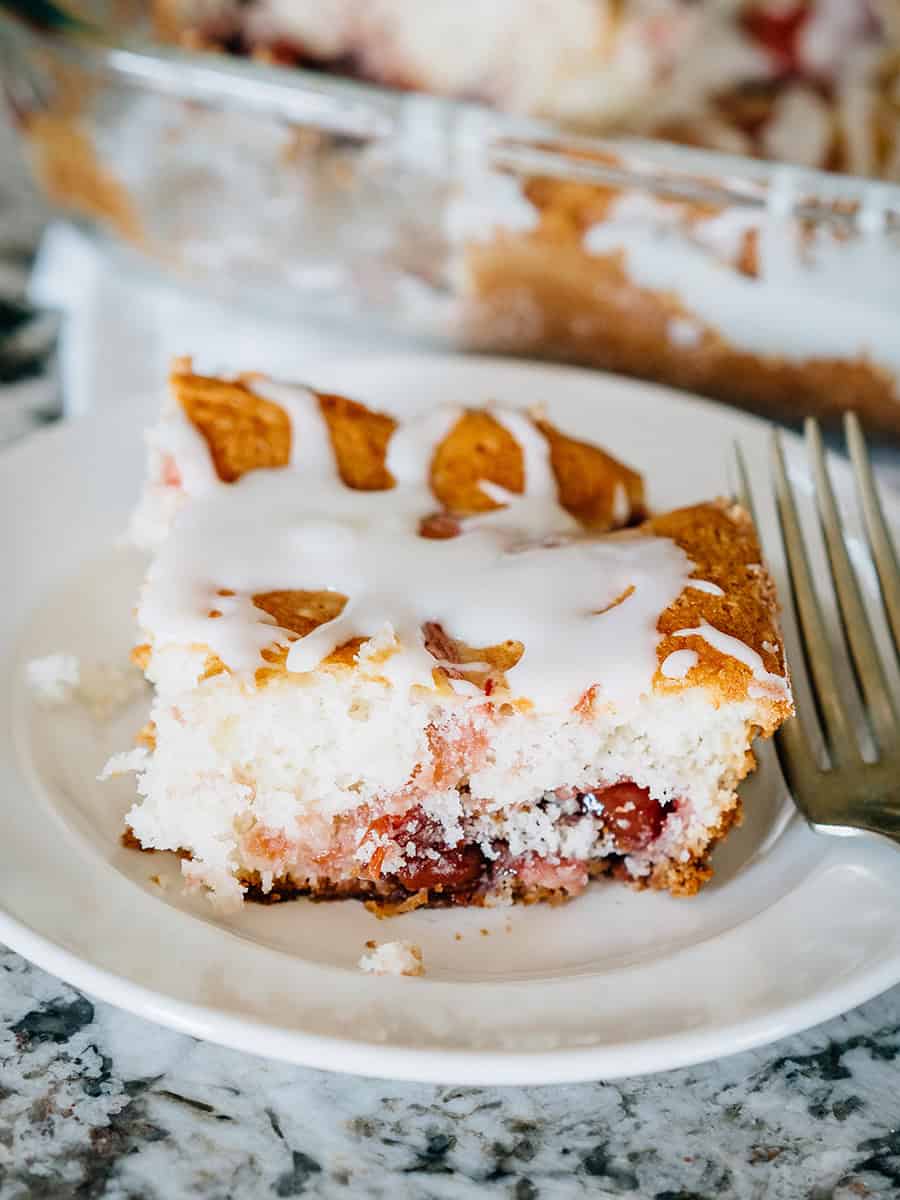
(814, 635)
(798, 763)
(744, 496)
(857, 626)
(794, 752)
(880, 544)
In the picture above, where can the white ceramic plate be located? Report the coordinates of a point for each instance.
(793, 930)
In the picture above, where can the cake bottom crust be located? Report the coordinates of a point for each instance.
(388, 897)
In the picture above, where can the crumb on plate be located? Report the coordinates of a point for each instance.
(393, 958)
(53, 678)
(103, 689)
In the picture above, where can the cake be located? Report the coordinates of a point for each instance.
(755, 305)
(444, 660)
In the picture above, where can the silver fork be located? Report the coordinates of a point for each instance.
(852, 793)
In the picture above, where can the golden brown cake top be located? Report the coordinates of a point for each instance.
(738, 642)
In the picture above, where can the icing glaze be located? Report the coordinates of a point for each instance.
(585, 608)
(767, 684)
(677, 664)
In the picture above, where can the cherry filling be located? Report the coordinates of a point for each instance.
(428, 861)
(779, 34)
(629, 814)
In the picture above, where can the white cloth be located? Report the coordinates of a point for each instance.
(123, 327)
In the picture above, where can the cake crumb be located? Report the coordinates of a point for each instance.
(393, 958)
(484, 932)
(53, 678)
(103, 689)
(121, 764)
(457, 937)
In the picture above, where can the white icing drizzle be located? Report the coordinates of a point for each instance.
(179, 438)
(412, 446)
(522, 572)
(768, 684)
(310, 443)
(684, 333)
(677, 664)
(536, 508)
(540, 482)
(484, 203)
(705, 585)
(621, 506)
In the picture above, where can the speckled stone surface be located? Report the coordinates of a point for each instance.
(96, 1103)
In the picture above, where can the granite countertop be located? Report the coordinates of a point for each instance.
(97, 1103)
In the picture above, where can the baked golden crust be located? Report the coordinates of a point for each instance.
(244, 431)
(300, 611)
(588, 479)
(360, 439)
(489, 663)
(477, 448)
(720, 540)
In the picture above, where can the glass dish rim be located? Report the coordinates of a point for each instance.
(517, 144)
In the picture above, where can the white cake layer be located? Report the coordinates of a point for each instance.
(289, 757)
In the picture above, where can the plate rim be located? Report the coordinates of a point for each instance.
(413, 1064)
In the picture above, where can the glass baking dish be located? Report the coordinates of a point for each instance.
(772, 287)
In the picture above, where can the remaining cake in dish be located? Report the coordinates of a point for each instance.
(812, 82)
(407, 661)
(754, 306)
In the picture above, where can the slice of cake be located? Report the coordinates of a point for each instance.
(409, 662)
